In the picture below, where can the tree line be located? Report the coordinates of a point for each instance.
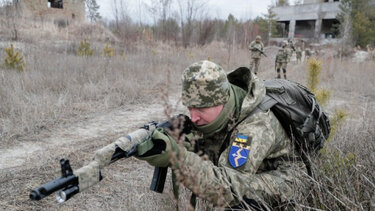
(184, 23)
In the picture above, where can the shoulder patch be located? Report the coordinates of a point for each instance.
(239, 151)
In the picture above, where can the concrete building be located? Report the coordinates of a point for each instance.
(54, 10)
(313, 19)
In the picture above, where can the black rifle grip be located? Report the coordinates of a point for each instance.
(158, 180)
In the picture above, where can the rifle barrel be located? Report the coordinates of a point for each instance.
(55, 185)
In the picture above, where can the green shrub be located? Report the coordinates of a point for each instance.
(323, 96)
(84, 49)
(13, 60)
(315, 68)
(336, 120)
(108, 51)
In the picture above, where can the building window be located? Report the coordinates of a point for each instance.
(56, 4)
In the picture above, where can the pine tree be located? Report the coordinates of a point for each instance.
(92, 10)
(358, 16)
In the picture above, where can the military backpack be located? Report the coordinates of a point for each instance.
(299, 113)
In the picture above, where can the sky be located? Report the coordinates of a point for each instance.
(241, 9)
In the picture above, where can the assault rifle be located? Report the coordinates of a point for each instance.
(261, 52)
(71, 183)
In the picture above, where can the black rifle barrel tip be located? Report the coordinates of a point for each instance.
(34, 195)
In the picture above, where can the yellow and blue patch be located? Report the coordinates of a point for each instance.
(239, 151)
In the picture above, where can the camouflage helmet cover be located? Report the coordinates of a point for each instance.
(258, 37)
(204, 84)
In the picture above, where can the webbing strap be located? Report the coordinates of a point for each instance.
(266, 104)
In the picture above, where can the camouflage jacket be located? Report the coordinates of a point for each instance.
(250, 165)
(282, 55)
(253, 49)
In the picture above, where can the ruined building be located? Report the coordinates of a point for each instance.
(54, 10)
(313, 19)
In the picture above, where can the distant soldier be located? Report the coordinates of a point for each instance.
(256, 50)
(290, 48)
(308, 53)
(281, 60)
(371, 51)
(298, 55)
(368, 47)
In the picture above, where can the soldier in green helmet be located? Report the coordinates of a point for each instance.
(281, 60)
(246, 166)
(256, 50)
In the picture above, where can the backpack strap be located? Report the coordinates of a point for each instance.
(267, 103)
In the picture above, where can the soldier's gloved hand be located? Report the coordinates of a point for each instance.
(157, 150)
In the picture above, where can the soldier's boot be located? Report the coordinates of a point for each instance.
(284, 71)
(278, 73)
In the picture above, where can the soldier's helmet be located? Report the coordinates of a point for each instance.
(258, 37)
(204, 84)
(284, 43)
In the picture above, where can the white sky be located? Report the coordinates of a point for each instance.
(241, 9)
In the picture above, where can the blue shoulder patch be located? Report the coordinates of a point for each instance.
(239, 151)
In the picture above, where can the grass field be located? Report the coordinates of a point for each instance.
(59, 90)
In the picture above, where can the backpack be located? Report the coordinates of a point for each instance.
(298, 112)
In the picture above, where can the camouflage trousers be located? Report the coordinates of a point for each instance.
(281, 65)
(254, 63)
(298, 57)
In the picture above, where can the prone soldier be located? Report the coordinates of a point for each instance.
(252, 163)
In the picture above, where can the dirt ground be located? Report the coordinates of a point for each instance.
(28, 164)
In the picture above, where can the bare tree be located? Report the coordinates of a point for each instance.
(121, 17)
(188, 10)
(159, 10)
(92, 10)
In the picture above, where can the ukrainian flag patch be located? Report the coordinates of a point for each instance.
(241, 139)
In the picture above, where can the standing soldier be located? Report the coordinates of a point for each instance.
(298, 54)
(281, 60)
(290, 48)
(256, 49)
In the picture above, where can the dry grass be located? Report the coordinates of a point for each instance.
(59, 87)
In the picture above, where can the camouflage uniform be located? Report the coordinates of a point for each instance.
(281, 60)
(308, 53)
(255, 54)
(290, 49)
(251, 166)
(256, 164)
(298, 54)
